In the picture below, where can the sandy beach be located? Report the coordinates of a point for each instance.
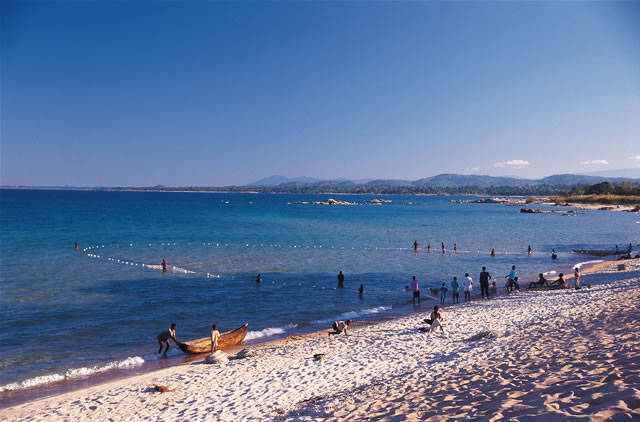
(532, 355)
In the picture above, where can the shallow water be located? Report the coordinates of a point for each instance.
(69, 313)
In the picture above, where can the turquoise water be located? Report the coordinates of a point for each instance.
(68, 313)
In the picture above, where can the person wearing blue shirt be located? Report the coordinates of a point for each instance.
(455, 290)
(512, 279)
(443, 293)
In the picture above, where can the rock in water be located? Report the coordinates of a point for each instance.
(218, 357)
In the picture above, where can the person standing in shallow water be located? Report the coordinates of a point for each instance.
(455, 291)
(443, 293)
(415, 288)
(468, 288)
(442, 245)
(163, 338)
(361, 290)
(340, 279)
(415, 246)
(493, 252)
(484, 283)
(165, 264)
(529, 250)
(258, 279)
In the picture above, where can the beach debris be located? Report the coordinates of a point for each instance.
(319, 356)
(623, 267)
(483, 335)
(218, 357)
(161, 388)
(247, 352)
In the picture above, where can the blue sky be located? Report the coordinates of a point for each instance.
(207, 93)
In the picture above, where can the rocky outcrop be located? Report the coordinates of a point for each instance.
(535, 211)
(332, 201)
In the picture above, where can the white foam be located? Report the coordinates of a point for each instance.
(252, 335)
(73, 373)
(354, 314)
(580, 264)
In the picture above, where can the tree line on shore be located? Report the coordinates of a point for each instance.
(622, 189)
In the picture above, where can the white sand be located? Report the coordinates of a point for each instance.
(558, 355)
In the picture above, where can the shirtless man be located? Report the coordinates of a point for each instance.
(163, 338)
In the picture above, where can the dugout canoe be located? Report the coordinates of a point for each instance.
(599, 252)
(227, 339)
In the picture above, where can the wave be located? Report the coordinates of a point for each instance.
(252, 335)
(354, 314)
(72, 373)
(580, 264)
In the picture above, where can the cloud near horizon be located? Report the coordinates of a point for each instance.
(514, 164)
(596, 163)
(636, 159)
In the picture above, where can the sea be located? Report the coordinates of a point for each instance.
(78, 315)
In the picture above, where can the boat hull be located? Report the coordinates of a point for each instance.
(596, 252)
(226, 340)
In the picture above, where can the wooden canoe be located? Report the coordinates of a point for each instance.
(599, 252)
(227, 339)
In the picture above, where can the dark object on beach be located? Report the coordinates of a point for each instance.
(483, 335)
(226, 340)
(319, 356)
(597, 252)
(161, 388)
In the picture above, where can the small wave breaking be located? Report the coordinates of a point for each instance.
(354, 314)
(580, 264)
(72, 373)
(252, 335)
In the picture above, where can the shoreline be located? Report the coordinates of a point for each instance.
(155, 368)
(382, 370)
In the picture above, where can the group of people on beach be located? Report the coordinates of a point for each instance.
(467, 288)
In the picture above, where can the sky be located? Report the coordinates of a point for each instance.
(225, 93)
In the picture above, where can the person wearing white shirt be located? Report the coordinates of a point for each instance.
(468, 288)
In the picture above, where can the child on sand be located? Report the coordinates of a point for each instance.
(436, 318)
(215, 335)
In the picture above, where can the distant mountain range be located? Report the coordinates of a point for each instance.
(447, 181)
